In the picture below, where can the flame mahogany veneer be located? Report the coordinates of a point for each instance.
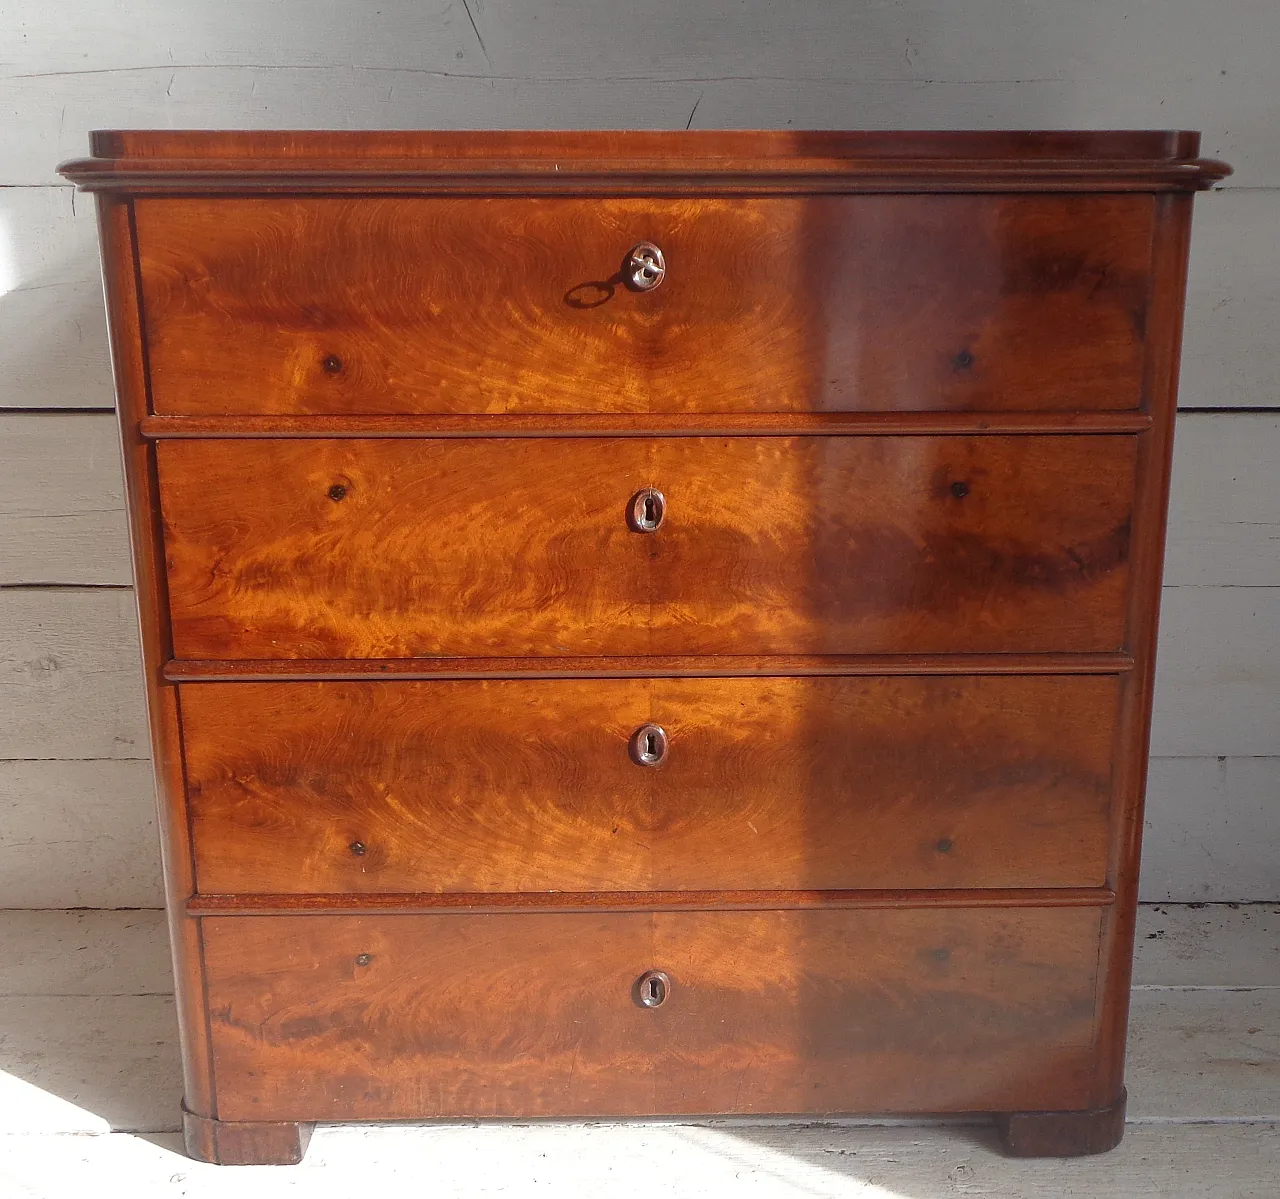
(648, 623)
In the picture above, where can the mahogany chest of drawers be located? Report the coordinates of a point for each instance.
(648, 623)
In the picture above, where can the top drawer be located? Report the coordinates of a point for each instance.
(394, 305)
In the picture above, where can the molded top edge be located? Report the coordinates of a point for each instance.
(1161, 145)
(201, 160)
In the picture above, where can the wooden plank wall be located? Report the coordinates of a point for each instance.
(75, 804)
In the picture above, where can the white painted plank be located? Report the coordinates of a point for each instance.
(53, 352)
(1218, 672)
(78, 834)
(1211, 830)
(1224, 503)
(579, 64)
(62, 513)
(70, 675)
(608, 1161)
(89, 1063)
(1230, 353)
(1207, 945)
(85, 953)
(1204, 1055)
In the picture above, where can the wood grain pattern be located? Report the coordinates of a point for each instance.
(493, 305)
(767, 783)
(119, 256)
(637, 163)
(777, 545)
(342, 1018)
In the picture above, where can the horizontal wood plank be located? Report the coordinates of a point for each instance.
(1204, 1054)
(88, 1063)
(1217, 685)
(606, 1160)
(1211, 829)
(1208, 945)
(62, 517)
(1224, 503)
(1230, 354)
(54, 350)
(58, 952)
(78, 834)
(70, 678)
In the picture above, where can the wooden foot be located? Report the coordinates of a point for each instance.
(1061, 1134)
(256, 1143)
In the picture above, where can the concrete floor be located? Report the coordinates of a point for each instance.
(89, 1091)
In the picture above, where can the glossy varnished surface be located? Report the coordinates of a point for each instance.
(768, 783)
(367, 1017)
(368, 548)
(856, 396)
(611, 163)
(872, 303)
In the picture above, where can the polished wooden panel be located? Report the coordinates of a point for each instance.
(368, 548)
(128, 359)
(617, 147)
(767, 783)
(369, 1017)
(911, 415)
(886, 303)
(613, 163)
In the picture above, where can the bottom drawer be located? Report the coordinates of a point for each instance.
(318, 1017)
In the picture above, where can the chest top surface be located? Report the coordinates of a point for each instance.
(735, 161)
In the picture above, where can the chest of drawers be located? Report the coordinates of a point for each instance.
(645, 624)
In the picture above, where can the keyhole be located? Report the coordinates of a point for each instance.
(652, 988)
(646, 510)
(648, 745)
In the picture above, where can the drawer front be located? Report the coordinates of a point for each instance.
(519, 786)
(366, 1017)
(833, 303)
(768, 545)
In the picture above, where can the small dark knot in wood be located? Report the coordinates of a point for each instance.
(337, 492)
(332, 364)
(959, 489)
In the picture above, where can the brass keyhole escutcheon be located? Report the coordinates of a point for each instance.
(652, 988)
(645, 267)
(647, 510)
(649, 745)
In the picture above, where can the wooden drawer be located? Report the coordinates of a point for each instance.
(920, 1010)
(372, 548)
(472, 305)
(767, 783)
